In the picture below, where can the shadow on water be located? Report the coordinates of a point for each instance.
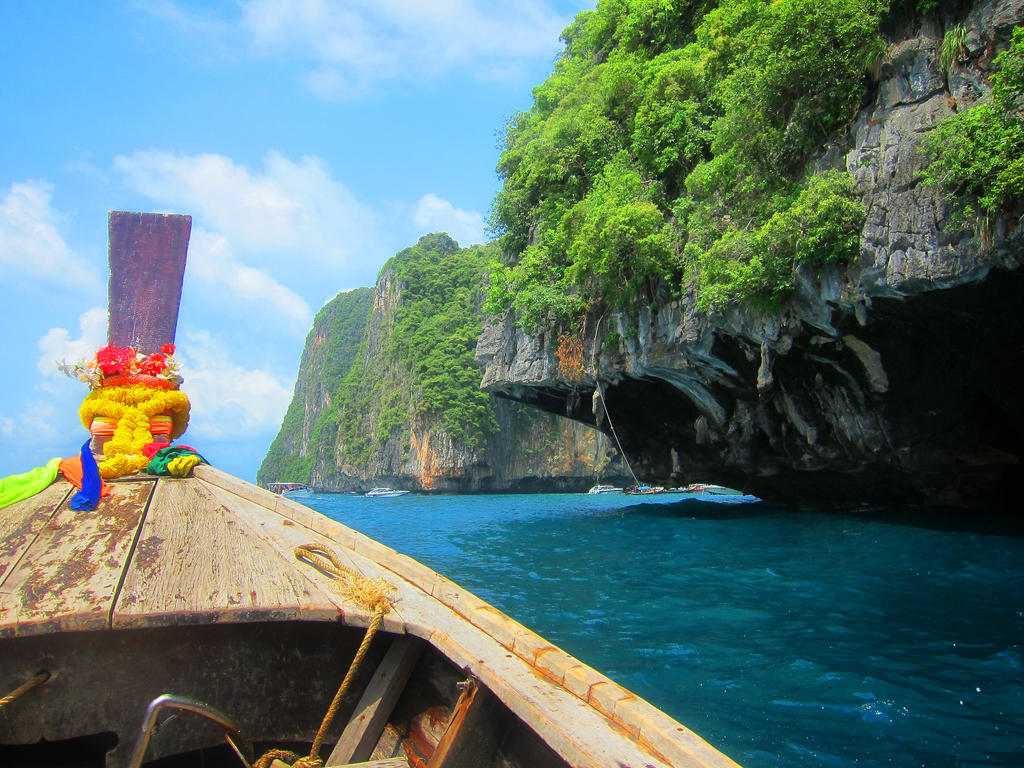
(1007, 523)
(739, 508)
(948, 520)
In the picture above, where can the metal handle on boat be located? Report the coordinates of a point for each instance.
(235, 738)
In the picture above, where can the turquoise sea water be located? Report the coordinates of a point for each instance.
(783, 637)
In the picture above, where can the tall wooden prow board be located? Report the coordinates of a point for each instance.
(147, 266)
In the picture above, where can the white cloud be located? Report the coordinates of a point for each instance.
(30, 243)
(39, 419)
(287, 205)
(34, 426)
(211, 260)
(435, 214)
(353, 44)
(228, 400)
(204, 35)
(277, 237)
(57, 345)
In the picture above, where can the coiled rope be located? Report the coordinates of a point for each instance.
(40, 678)
(371, 593)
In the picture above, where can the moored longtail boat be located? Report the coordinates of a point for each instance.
(201, 620)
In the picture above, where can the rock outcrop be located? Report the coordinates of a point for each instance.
(527, 450)
(892, 381)
(532, 451)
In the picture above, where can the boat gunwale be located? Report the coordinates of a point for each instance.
(664, 737)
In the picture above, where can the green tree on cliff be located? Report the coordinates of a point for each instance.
(978, 155)
(670, 147)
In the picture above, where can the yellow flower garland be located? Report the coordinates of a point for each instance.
(132, 406)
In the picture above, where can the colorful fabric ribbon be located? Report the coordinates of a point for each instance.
(89, 496)
(160, 425)
(72, 470)
(21, 486)
(176, 460)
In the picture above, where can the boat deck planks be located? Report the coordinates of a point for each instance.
(20, 523)
(197, 558)
(281, 535)
(226, 554)
(68, 576)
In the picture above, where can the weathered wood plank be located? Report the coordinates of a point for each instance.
(474, 732)
(21, 522)
(375, 705)
(68, 576)
(197, 560)
(147, 263)
(284, 535)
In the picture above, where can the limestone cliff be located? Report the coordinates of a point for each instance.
(330, 348)
(387, 395)
(894, 380)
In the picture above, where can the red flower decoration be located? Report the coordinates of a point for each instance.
(153, 365)
(167, 349)
(111, 359)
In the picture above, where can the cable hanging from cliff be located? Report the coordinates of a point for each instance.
(608, 415)
(604, 402)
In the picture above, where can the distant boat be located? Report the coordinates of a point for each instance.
(604, 489)
(290, 489)
(384, 492)
(644, 490)
(721, 490)
(708, 488)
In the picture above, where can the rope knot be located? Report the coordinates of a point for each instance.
(374, 594)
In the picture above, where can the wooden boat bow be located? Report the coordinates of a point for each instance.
(216, 550)
(191, 587)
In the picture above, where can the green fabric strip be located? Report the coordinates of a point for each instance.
(18, 487)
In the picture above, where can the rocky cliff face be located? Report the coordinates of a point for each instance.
(331, 346)
(532, 451)
(892, 381)
(527, 450)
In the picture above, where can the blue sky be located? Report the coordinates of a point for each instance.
(310, 140)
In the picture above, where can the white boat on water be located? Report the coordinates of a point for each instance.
(290, 489)
(708, 488)
(721, 490)
(384, 493)
(604, 489)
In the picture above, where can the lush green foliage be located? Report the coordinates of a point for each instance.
(820, 226)
(978, 155)
(436, 327)
(953, 47)
(333, 342)
(670, 146)
(417, 358)
(421, 361)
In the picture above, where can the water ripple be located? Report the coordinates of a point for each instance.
(785, 638)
